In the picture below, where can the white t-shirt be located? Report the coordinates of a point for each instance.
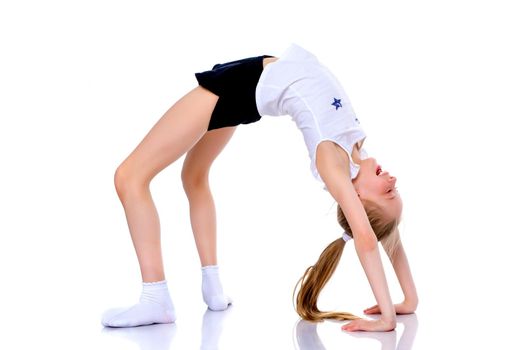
(298, 85)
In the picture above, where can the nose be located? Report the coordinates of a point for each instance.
(387, 175)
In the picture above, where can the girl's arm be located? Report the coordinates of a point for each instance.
(400, 263)
(401, 267)
(333, 165)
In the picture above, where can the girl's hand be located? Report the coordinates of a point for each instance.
(401, 309)
(361, 324)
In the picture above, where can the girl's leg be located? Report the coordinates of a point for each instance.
(195, 181)
(174, 134)
(202, 211)
(179, 129)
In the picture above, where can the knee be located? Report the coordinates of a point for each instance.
(194, 180)
(126, 182)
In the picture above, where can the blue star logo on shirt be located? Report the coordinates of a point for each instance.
(337, 103)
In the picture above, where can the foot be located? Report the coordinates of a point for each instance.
(212, 292)
(154, 306)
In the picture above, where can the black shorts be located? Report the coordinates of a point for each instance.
(234, 82)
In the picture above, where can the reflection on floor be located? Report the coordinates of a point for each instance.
(306, 337)
(160, 336)
(157, 336)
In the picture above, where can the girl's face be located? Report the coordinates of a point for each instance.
(374, 184)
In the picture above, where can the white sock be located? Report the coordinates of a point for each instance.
(212, 292)
(154, 306)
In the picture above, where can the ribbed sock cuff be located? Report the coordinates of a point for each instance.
(210, 269)
(155, 285)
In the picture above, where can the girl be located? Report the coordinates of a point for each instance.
(203, 121)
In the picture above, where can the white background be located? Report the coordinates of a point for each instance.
(438, 87)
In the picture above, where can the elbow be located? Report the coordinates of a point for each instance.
(365, 243)
(336, 190)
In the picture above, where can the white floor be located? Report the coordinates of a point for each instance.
(438, 87)
(227, 330)
(246, 326)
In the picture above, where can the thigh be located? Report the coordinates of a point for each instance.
(199, 159)
(176, 132)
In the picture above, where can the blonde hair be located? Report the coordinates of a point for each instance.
(316, 276)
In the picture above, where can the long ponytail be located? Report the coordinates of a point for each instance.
(314, 280)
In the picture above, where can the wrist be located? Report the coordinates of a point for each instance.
(389, 321)
(411, 302)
